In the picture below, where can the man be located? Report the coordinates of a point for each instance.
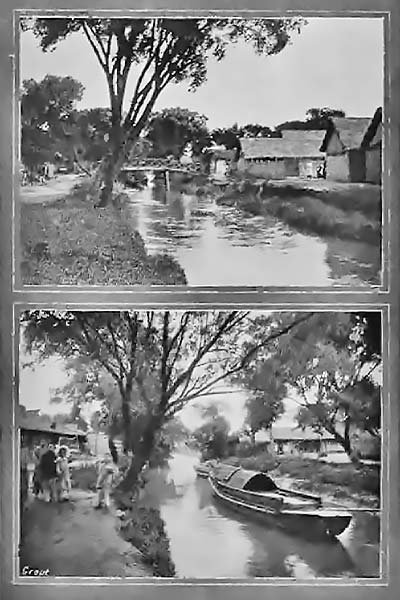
(106, 475)
(48, 473)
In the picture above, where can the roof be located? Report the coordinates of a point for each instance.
(298, 147)
(373, 135)
(298, 434)
(351, 131)
(36, 423)
(251, 480)
(221, 152)
(303, 134)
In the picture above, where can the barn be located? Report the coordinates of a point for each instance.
(353, 147)
(372, 144)
(297, 441)
(295, 154)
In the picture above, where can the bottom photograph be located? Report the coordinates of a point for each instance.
(199, 444)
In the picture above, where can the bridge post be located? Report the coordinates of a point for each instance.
(167, 181)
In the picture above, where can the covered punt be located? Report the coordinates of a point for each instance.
(256, 494)
(250, 481)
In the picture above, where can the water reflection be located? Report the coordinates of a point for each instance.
(220, 245)
(208, 540)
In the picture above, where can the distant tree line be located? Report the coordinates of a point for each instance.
(55, 130)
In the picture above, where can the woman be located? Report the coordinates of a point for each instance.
(64, 480)
(48, 474)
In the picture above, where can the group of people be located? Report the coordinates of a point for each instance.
(48, 472)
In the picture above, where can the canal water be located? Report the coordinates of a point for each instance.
(223, 246)
(208, 540)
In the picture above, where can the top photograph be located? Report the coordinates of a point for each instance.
(199, 152)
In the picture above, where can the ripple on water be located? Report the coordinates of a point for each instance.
(220, 245)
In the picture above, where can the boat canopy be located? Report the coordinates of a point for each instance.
(252, 481)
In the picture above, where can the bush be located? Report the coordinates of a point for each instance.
(345, 214)
(145, 529)
(79, 244)
(84, 478)
(355, 478)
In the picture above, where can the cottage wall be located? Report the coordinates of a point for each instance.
(337, 167)
(357, 165)
(373, 165)
(270, 169)
(308, 167)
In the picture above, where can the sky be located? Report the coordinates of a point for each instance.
(38, 382)
(335, 62)
(37, 385)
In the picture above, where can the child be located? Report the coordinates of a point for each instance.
(105, 478)
(64, 481)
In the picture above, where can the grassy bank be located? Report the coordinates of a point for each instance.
(143, 527)
(357, 484)
(346, 213)
(71, 242)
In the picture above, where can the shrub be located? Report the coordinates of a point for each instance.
(78, 243)
(84, 478)
(145, 529)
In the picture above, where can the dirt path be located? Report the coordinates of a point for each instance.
(53, 190)
(71, 539)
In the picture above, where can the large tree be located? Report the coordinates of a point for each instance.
(153, 53)
(159, 361)
(316, 118)
(267, 392)
(330, 363)
(212, 436)
(48, 109)
(171, 129)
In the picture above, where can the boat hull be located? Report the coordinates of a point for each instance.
(312, 524)
(202, 473)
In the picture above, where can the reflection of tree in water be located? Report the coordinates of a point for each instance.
(278, 554)
(353, 262)
(203, 491)
(175, 216)
(172, 215)
(362, 541)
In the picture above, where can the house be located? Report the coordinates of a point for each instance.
(353, 148)
(35, 427)
(295, 440)
(98, 443)
(372, 144)
(295, 154)
(221, 160)
(186, 158)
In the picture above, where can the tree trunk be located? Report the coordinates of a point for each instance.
(113, 450)
(112, 163)
(125, 491)
(126, 416)
(345, 441)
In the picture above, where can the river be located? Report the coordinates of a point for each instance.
(222, 246)
(210, 541)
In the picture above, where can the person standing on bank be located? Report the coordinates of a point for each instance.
(105, 478)
(64, 480)
(48, 474)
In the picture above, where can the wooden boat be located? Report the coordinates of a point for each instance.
(256, 494)
(204, 469)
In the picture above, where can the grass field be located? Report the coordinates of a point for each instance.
(71, 242)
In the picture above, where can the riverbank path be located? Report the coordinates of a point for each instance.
(52, 190)
(72, 539)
